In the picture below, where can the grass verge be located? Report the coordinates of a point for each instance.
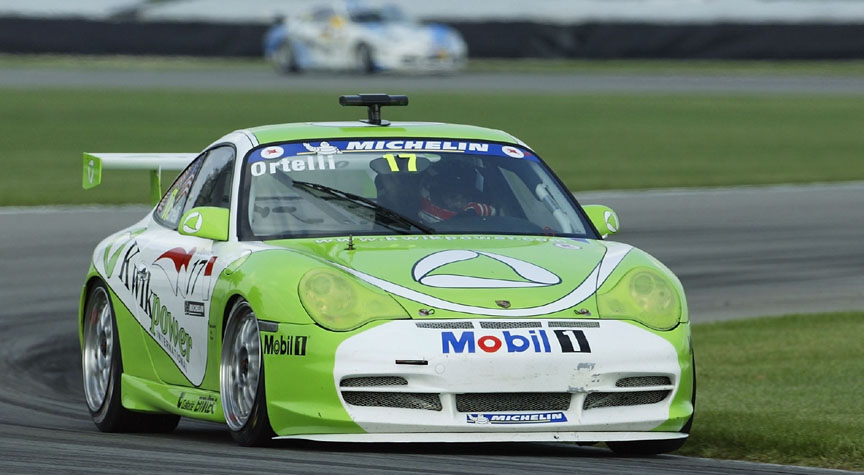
(786, 390)
(839, 68)
(592, 141)
(700, 67)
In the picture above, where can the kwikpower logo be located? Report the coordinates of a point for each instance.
(532, 341)
(164, 327)
(532, 418)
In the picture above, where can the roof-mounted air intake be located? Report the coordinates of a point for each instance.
(374, 103)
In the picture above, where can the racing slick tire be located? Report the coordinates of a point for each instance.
(285, 59)
(365, 61)
(102, 367)
(241, 378)
(646, 447)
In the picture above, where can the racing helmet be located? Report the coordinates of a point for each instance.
(450, 189)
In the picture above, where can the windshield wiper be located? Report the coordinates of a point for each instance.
(357, 199)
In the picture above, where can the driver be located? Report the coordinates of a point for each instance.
(451, 190)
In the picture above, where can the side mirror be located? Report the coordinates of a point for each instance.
(603, 218)
(206, 222)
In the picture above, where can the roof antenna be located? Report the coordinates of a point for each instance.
(374, 102)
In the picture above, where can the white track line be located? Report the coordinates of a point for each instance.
(785, 188)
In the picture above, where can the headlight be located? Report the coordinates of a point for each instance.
(644, 295)
(338, 302)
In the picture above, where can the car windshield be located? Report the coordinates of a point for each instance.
(402, 186)
(386, 14)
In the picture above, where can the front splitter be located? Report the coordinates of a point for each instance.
(464, 437)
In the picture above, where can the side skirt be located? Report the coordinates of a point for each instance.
(148, 396)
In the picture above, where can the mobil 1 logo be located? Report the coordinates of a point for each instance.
(291, 345)
(572, 341)
(515, 341)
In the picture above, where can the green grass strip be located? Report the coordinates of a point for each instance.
(593, 142)
(786, 390)
(850, 68)
(841, 68)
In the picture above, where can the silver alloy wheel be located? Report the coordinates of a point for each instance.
(98, 348)
(284, 58)
(365, 62)
(240, 368)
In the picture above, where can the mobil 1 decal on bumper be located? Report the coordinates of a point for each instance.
(515, 341)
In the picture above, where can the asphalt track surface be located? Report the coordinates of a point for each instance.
(504, 82)
(739, 252)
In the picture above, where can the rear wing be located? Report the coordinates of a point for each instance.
(94, 163)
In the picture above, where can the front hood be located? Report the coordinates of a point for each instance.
(505, 276)
(416, 39)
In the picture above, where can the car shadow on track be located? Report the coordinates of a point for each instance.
(516, 449)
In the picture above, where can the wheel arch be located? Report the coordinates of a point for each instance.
(229, 304)
(268, 281)
(92, 280)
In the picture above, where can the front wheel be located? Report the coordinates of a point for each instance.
(365, 61)
(285, 59)
(241, 378)
(654, 447)
(103, 366)
(646, 447)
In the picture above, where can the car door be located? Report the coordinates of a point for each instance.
(182, 271)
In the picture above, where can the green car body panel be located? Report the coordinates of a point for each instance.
(393, 282)
(330, 131)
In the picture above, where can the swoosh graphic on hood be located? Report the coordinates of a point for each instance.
(614, 255)
(537, 276)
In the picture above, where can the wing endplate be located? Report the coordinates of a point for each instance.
(94, 163)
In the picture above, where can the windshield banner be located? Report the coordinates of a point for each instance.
(390, 145)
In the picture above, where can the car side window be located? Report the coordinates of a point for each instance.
(169, 210)
(212, 184)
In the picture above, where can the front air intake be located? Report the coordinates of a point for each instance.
(426, 401)
(509, 402)
(373, 381)
(641, 381)
(597, 400)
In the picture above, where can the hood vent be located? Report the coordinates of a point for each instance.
(509, 325)
(566, 324)
(445, 325)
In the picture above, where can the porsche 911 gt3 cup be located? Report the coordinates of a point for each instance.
(362, 38)
(376, 282)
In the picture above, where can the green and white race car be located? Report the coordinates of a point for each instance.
(381, 282)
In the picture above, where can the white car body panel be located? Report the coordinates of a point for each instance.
(405, 46)
(578, 357)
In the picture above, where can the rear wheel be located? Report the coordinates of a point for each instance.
(241, 378)
(102, 367)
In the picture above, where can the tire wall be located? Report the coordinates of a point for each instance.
(485, 39)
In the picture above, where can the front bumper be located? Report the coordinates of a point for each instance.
(426, 380)
(410, 61)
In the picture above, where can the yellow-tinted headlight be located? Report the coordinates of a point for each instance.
(339, 302)
(644, 295)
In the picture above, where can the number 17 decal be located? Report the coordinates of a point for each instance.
(394, 165)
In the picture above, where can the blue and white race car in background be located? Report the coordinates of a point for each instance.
(364, 38)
